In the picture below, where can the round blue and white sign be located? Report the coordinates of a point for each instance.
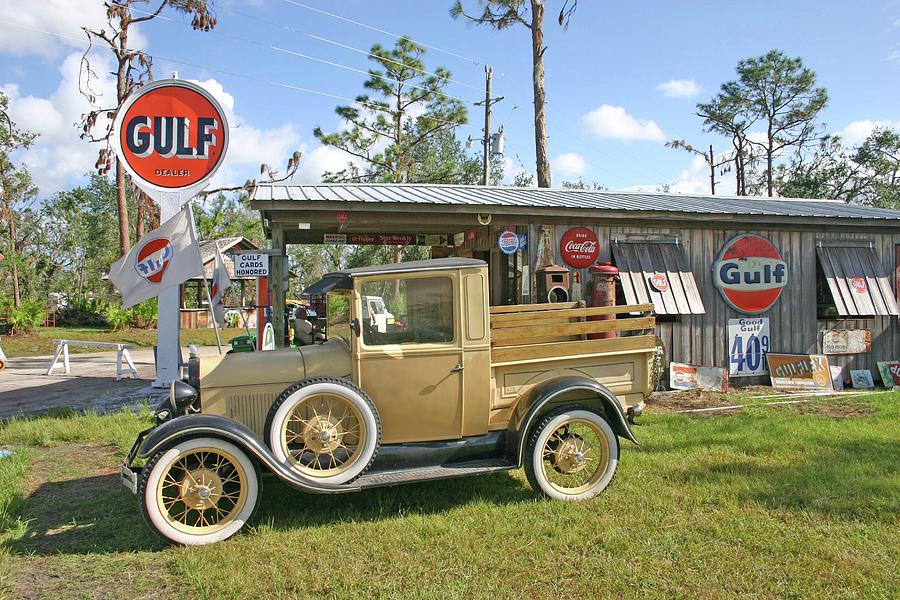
(508, 242)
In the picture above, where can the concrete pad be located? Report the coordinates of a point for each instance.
(91, 385)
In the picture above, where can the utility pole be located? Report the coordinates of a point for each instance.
(488, 76)
(488, 102)
(712, 171)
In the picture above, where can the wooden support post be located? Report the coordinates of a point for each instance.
(277, 283)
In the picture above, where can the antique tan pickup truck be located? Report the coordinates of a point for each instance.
(452, 387)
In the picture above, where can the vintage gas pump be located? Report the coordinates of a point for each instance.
(603, 293)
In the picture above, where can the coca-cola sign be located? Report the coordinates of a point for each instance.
(579, 247)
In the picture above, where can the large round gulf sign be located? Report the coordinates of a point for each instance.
(750, 273)
(171, 134)
(579, 247)
(508, 242)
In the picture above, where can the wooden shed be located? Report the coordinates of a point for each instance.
(807, 267)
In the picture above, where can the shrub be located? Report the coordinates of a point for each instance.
(117, 318)
(89, 312)
(27, 317)
(145, 315)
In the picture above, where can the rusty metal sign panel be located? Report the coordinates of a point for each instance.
(847, 341)
(800, 371)
(688, 377)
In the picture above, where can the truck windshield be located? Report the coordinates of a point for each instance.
(338, 312)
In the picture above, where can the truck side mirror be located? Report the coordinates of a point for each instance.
(354, 326)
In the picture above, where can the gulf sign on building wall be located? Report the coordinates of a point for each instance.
(750, 273)
(171, 134)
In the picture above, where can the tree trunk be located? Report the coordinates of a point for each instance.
(121, 197)
(17, 295)
(769, 159)
(542, 160)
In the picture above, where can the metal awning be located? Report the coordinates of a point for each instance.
(658, 272)
(858, 283)
(329, 282)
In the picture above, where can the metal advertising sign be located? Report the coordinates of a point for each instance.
(800, 370)
(171, 136)
(687, 377)
(251, 264)
(659, 282)
(847, 341)
(748, 343)
(334, 238)
(858, 285)
(579, 247)
(750, 273)
(890, 373)
(508, 242)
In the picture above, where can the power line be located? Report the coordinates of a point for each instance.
(340, 45)
(176, 61)
(394, 35)
(316, 59)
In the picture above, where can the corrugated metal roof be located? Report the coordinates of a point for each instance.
(552, 198)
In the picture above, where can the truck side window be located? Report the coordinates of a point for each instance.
(407, 311)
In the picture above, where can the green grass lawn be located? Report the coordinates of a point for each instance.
(41, 341)
(795, 501)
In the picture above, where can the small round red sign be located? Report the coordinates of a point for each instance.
(659, 282)
(750, 273)
(171, 134)
(579, 247)
(859, 285)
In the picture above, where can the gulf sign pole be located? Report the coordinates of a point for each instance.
(171, 136)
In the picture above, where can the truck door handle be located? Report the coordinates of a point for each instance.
(457, 368)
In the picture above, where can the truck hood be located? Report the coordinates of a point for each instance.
(285, 366)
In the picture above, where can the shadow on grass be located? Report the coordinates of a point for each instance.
(97, 515)
(852, 479)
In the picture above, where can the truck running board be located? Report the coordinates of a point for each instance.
(385, 478)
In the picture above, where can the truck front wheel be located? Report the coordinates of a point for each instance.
(199, 491)
(571, 454)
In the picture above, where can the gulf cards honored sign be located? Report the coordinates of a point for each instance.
(171, 135)
(750, 273)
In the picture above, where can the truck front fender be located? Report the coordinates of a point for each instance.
(199, 425)
(552, 393)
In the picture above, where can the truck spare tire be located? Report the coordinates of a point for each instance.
(325, 429)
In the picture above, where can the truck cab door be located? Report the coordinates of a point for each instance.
(413, 370)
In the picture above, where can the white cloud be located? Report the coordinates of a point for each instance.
(680, 88)
(609, 121)
(59, 156)
(64, 18)
(856, 132)
(569, 163)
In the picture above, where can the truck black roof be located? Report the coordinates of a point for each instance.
(343, 280)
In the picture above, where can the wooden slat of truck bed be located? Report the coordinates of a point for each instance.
(517, 319)
(563, 349)
(527, 334)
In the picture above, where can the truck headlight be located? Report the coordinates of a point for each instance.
(181, 396)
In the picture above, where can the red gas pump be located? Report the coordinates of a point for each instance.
(603, 293)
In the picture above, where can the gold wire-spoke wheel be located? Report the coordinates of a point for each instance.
(324, 435)
(202, 490)
(575, 456)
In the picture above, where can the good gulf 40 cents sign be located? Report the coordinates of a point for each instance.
(171, 135)
(750, 273)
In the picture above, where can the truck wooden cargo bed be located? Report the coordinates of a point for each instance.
(534, 342)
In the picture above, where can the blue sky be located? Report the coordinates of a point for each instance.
(609, 108)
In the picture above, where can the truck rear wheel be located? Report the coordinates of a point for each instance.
(199, 491)
(324, 428)
(571, 454)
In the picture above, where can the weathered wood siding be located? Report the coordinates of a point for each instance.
(794, 328)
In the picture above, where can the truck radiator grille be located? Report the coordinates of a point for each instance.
(250, 409)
